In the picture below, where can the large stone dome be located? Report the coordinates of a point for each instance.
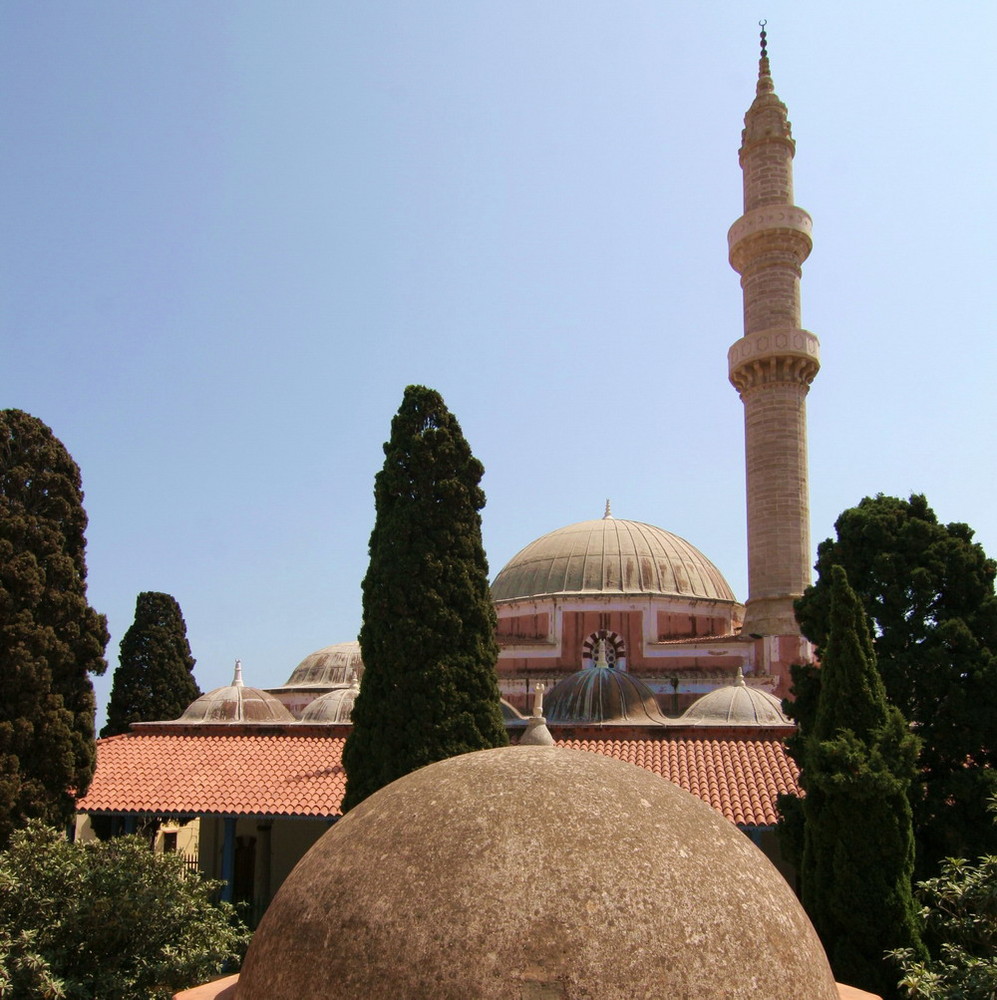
(534, 872)
(610, 556)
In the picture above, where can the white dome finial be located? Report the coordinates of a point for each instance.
(538, 699)
(601, 654)
(237, 679)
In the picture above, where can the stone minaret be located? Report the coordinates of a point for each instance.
(773, 364)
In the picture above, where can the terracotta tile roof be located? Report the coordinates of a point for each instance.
(739, 778)
(270, 774)
(283, 773)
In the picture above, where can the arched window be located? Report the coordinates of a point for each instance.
(616, 650)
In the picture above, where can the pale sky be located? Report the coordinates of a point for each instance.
(233, 233)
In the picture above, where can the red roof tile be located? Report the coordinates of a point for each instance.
(295, 774)
(272, 774)
(739, 778)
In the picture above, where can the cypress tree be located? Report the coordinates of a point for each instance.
(858, 845)
(928, 590)
(51, 640)
(154, 678)
(429, 689)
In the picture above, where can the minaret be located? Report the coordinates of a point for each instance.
(773, 364)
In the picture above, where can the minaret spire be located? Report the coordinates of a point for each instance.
(773, 364)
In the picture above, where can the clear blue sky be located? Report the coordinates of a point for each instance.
(233, 232)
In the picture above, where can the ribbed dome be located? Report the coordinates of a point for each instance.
(333, 707)
(511, 714)
(602, 695)
(610, 556)
(736, 705)
(236, 703)
(333, 666)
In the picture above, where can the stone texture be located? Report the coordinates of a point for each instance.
(534, 872)
(772, 366)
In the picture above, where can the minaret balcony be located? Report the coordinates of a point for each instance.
(782, 227)
(778, 355)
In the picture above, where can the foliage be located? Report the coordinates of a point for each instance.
(858, 846)
(429, 689)
(929, 591)
(154, 679)
(109, 920)
(960, 912)
(51, 640)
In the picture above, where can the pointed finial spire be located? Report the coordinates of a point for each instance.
(739, 679)
(765, 84)
(608, 513)
(237, 679)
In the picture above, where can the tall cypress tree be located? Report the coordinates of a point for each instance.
(154, 679)
(928, 589)
(858, 848)
(429, 689)
(51, 640)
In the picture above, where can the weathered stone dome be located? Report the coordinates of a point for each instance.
(333, 707)
(534, 872)
(610, 556)
(602, 695)
(736, 705)
(236, 703)
(332, 666)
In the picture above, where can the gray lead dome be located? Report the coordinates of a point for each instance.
(610, 556)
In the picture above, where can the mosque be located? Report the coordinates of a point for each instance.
(616, 637)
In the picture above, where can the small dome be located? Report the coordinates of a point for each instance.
(610, 556)
(511, 714)
(602, 695)
(534, 872)
(333, 707)
(333, 666)
(236, 703)
(735, 705)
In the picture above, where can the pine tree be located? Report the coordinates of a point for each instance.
(928, 590)
(429, 689)
(51, 640)
(858, 845)
(154, 679)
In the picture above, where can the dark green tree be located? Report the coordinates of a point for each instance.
(51, 640)
(858, 846)
(960, 917)
(429, 689)
(154, 679)
(106, 920)
(928, 590)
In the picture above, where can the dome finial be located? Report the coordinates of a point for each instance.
(765, 84)
(609, 512)
(538, 699)
(739, 679)
(237, 679)
(601, 659)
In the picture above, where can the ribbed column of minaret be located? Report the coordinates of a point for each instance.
(772, 365)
